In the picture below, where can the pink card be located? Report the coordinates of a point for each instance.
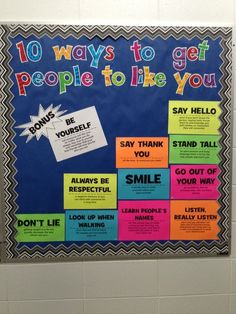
(194, 182)
(144, 220)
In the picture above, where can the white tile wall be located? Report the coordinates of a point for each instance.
(234, 276)
(210, 304)
(234, 129)
(45, 281)
(120, 279)
(234, 71)
(233, 304)
(3, 283)
(233, 251)
(3, 308)
(119, 11)
(46, 307)
(66, 11)
(124, 306)
(177, 286)
(201, 11)
(194, 276)
(234, 84)
(233, 166)
(234, 203)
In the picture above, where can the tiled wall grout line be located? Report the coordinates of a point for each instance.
(127, 297)
(158, 288)
(158, 9)
(79, 9)
(84, 286)
(231, 276)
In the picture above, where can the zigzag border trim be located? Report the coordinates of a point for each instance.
(166, 248)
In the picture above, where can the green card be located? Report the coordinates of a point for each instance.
(40, 227)
(194, 149)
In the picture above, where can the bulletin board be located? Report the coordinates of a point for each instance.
(115, 141)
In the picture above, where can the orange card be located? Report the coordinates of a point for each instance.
(194, 220)
(141, 152)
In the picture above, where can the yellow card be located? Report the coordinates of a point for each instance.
(90, 191)
(194, 117)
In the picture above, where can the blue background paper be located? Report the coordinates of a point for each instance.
(123, 111)
(76, 233)
(144, 191)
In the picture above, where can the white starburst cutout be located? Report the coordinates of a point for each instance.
(42, 122)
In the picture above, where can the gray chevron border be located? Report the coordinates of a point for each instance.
(12, 252)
